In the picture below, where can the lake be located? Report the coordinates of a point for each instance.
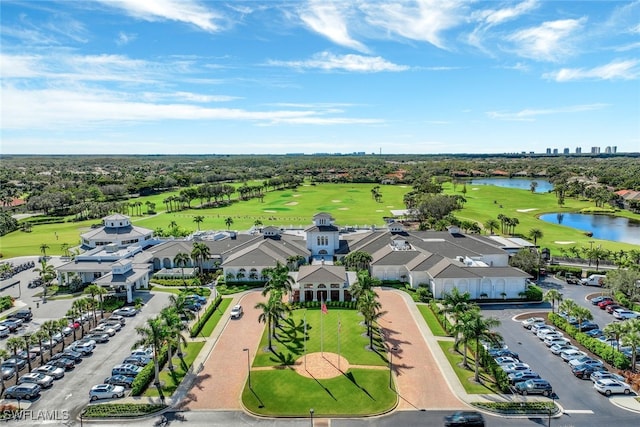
(602, 226)
(544, 186)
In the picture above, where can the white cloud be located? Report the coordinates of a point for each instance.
(424, 21)
(187, 11)
(124, 39)
(616, 70)
(493, 17)
(551, 41)
(531, 114)
(327, 19)
(354, 63)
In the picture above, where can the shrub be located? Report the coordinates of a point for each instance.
(120, 410)
(6, 302)
(197, 327)
(533, 293)
(144, 378)
(424, 294)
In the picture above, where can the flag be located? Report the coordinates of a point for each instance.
(323, 308)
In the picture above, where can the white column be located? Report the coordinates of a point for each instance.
(129, 293)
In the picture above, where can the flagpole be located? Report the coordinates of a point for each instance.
(339, 325)
(322, 331)
(305, 340)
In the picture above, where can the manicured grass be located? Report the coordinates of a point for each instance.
(480, 207)
(285, 393)
(431, 320)
(210, 325)
(229, 289)
(466, 376)
(171, 380)
(289, 341)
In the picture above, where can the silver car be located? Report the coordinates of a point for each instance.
(42, 380)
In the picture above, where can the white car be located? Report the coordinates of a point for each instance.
(571, 354)
(537, 327)
(559, 348)
(52, 371)
(4, 331)
(103, 329)
(42, 380)
(126, 311)
(106, 391)
(113, 324)
(528, 323)
(546, 332)
(622, 314)
(609, 386)
(549, 341)
(236, 312)
(514, 367)
(82, 348)
(604, 375)
(576, 361)
(505, 360)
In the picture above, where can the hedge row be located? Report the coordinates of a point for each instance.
(121, 410)
(144, 378)
(538, 408)
(607, 352)
(316, 304)
(491, 366)
(624, 301)
(442, 318)
(197, 327)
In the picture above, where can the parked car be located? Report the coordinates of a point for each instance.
(543, 333)
(22, 391)
(15, 362)
(528, 323)
(104, 329)
(121, 380)
(580, 360)
(106, 391)
(198, 298)
(607, 340)
(62, 362)
(537, 327)
(612, 307)
(83, 348)
(610, 386)
(534, 386)
(559, 348)
(142, 354)
(135, 360)
(464, 418)
(595, 333)
(51, 370)
(100, 338)
(597, 300)
(604, 375)
(7, 372)
(115, 318)
(4, 331)
(126, 311)
(12, 325)
(113, 324)
(505, 360)
(588, 326)
(126, 369)
(624, 314)
(23, 354)
(584, 371)
(604, 303)
(70, 354)
(236, 312)
(571, 354)
(517, 377)
(504, 353)
(44, 381)
(514, 367)
(24, 315)
(549, 341)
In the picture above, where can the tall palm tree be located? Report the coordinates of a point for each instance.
(198, 220)
(615, 330)
(364, 284)
(269, 315)
(491, 224)
(631, 338)
(174, 327)
(72, 314)
(535, 234)
(369, 306)
(200, 253)
(456, 303)
(39, 337)
(13, 345)
(152, 334)
(477, 328)
(568, 306)
(4, 355)
(80, 307)
(50, 327)
(43, 249)
(553, 296)
(278, 280)
(581, 314)
(181, 260)
(26, 344)
(96, 290)
(228, 222)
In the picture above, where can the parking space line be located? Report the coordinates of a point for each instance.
(578, 411)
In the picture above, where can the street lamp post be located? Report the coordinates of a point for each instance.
(552, 408)
(591, 242)
(248, 366)
(311, 416)
(391, 351)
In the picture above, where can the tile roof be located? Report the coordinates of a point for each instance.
(319, 273)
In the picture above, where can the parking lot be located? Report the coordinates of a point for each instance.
(575, 395)
(71, 393)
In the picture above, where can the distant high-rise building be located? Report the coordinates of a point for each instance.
(565, 151)
(614, 149)
(578, 150)
(607, 150)
(555, 151)
(595, 150)
(548, 150)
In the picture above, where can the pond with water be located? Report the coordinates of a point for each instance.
(544, 186)
(603, 227)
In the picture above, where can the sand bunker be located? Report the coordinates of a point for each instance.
(296, 195)
(475, 189)
(336, 201)
(343, 209)
(321, 365)
(379, 210)
(526, 210)
(562, 242)
(291, 204)
(271, 211)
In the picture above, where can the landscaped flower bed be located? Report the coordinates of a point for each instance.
(121, 410)
(518, 407)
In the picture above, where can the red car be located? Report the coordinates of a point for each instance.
(612, 307)
(604, 304)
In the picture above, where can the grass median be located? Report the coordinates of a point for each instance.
(170, 380)
(432, 321)
(465, 375)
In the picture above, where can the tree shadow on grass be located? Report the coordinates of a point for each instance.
(191, 397)
(350, 377)
(282, 358)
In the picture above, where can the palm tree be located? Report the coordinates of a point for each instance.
(39, 337)
(181, 260)
(200, 253)
(455, 304)
(581, 314)
(278, 280)
(174, 327)
(369, 306)
(153, 334)
(50, 328)
(535, 234)
(460, 330)
(568, 306)
(553, 296)
(64, 247)
(43, 249)
(632, 339)
(270, 314)
(364, 284)
(228, 222)
(26, 344)
(198, 219)
(96, 290)
(13, 345)
(478, 328)
(72, 314)
(80, 306)
(62, 323)
(615, 330)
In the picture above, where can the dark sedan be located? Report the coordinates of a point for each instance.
(464, 418)
(15, 362)
(584, 372)
(68, 354)
(121, 380)
(63, 362)
(598, 300)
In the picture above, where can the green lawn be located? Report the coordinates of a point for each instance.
(215, 317)
(431, 320)
(285, 393)
(171, 380)
(289, 343)
(464, 375)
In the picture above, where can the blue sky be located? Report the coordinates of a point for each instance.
(271, 77)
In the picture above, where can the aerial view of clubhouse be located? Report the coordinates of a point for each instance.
(124, 257)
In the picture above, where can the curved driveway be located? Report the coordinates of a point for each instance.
(420, 382)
